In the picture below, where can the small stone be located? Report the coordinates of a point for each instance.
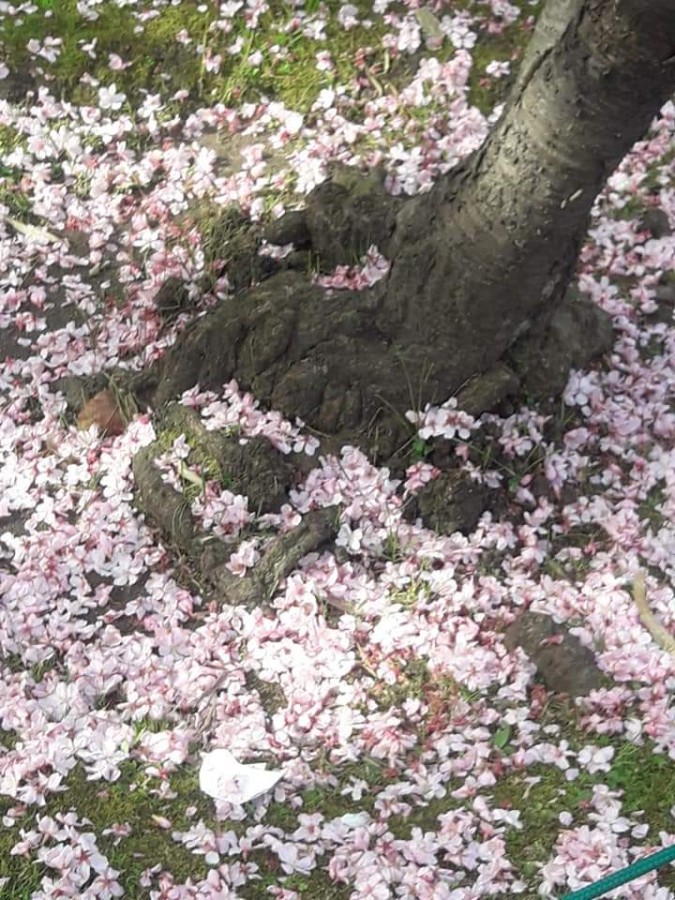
(563, 663)
(656, 222)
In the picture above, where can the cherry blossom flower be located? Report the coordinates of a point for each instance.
(110, 98)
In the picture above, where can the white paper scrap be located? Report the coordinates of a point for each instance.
(355, 820)
(222, 777)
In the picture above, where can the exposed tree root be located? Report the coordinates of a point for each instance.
(169, 510)
(318, 527)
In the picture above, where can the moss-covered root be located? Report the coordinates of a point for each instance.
(280, 558)
(169, 509)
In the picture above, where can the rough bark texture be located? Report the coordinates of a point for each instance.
(452, 502)
(254, 469)
(553, 20)
(477, 263)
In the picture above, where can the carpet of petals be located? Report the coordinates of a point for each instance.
(83, 673)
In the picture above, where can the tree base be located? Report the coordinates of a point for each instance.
(350, 365)
(334, 360)
(321, 359)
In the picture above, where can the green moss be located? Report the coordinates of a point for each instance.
(416, 682)
(202, 466)
(647, 779)
(149, 51)
(18, 203)
(316, 886)
(417, 590)
(133, 800)
(392, 549)
(633, 208)
(23, 876)
(272, 697)
(10, 138)
(653, 180)
(39, 670)
(287, 71)
(569, 570)
(8, 739)
(540, 805)
(653, 348)
(579, 536)
(13, 662)
(635, 772)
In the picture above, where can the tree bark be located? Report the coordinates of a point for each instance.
(551, 24)
(481, 260)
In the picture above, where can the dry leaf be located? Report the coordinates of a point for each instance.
(32, 231)
(431, 27)
(102, 410)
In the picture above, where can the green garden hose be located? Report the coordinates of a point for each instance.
(641, 867)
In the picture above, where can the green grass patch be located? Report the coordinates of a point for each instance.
(645, 779)
(540, 805)
(199, 468)
(273, 61)
(11, 195)
(651, 509)
(131, 800)
(315, 886)
(485, 91)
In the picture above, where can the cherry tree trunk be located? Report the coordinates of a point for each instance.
(485, 254)
(479, 265)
